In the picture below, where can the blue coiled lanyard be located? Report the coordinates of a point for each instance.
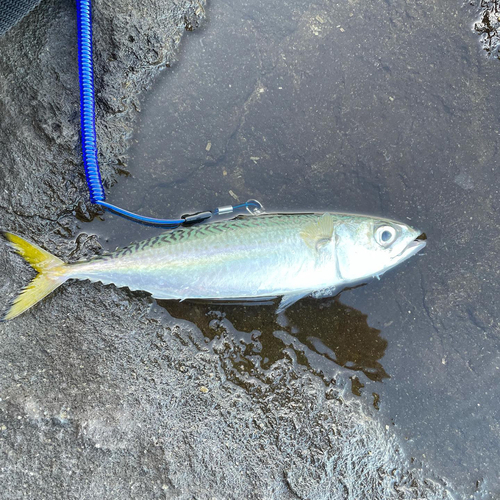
(89, 142)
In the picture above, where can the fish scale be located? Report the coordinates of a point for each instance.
(247, 257)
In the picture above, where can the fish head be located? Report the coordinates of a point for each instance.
(367, 247)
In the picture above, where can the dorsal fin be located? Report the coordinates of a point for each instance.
(318, 233)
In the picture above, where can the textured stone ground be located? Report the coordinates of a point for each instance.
(104, 394)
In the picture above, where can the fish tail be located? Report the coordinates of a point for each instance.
(52, 273)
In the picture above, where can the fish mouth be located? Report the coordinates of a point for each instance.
(413, 247)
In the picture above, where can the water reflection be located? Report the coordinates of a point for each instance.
(323, 335)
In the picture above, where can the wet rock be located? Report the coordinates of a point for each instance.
(108, 404)
(487, 26)
(40, 149)
(104, 395)
(396, 114)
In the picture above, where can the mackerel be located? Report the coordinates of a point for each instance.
(253, 257)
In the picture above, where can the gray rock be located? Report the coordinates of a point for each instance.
(104, 395)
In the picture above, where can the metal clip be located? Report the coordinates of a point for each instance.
(229, 209)
(254, 207)
(198, 217)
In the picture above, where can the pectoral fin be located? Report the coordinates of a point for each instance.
(288, 300)
(319, 233)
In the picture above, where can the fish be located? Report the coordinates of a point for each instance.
(243, 259)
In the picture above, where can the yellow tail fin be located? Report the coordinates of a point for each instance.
(52, 274)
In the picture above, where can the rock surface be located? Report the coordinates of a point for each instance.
(105, 395)
(386, 108)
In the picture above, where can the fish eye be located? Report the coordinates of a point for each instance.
(385, 235)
